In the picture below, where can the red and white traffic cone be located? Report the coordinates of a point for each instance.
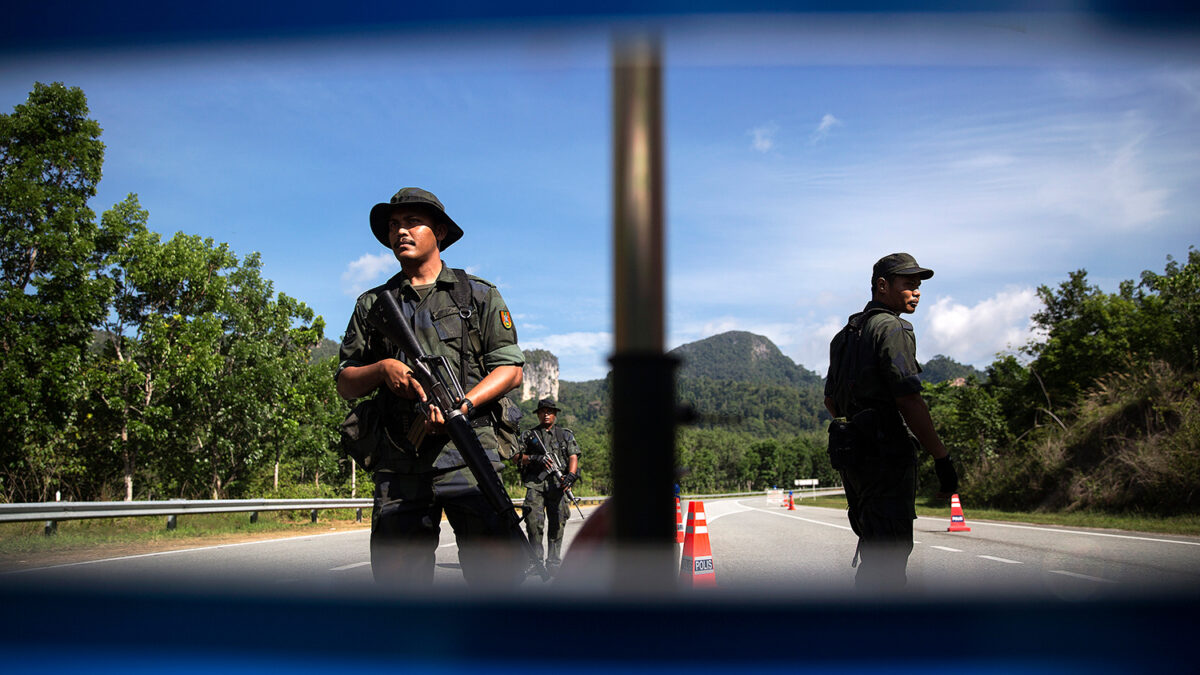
(958, 522)
(678, 521)
(696, 565)
(791, 502)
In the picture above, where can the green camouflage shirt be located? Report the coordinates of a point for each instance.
(440, 330)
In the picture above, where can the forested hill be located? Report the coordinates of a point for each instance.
(737, 380)
(945, 369)
(325, 349)
(741, 356)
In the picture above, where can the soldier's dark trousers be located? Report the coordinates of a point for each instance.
(546, 510)
(881, 510)
(406, 526)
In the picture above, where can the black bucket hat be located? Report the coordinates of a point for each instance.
(900, 264)
(412, 195)
(548, 404)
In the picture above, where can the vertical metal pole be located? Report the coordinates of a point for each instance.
(643, 384)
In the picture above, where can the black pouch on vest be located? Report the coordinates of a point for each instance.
(506, 422)
(844, 445)
(362, 434)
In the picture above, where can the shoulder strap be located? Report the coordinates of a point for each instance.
(462, 297)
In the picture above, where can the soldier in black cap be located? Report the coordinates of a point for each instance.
(545, 495)
(873, 391)
(418, 473)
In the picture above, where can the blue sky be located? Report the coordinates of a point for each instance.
(1004, 151)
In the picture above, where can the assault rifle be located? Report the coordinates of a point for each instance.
(555, 470)
(443, 390)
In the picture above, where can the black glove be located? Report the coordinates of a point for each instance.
(947, 476)
(569, 479)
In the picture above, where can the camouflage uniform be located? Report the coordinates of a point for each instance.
(414, 485)
(545, 499)
(881, 483)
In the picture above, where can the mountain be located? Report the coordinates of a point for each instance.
(742, 357)
(326, 349)
(943, 368)
(737, 381)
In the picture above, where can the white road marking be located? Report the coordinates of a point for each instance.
(1051, 528)
(741, 509)
(349, 567)
(1082, 576)
(1003, 560)
(947, 548)
(807, 520)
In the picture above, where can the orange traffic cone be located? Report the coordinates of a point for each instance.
(696, 565)
(958, 522)
(678, 521)
(791, 502)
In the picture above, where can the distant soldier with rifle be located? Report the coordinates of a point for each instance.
(432, 448)
(873, 391)
(549, 461)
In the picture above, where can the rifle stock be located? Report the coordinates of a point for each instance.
(443, 390)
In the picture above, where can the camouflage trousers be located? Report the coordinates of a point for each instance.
(546, 509)
(406, 528)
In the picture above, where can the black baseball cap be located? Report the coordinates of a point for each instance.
(900, 264)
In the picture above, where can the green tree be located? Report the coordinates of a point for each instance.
(50, 248)
(1090, 334)
(162, 346)
(1178, 292)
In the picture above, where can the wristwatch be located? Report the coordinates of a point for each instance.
(467, 402)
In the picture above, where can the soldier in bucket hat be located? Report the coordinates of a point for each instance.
(873, 391)
(418, 473)
(545, 505)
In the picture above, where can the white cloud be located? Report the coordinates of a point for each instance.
(763, 137)
(572, 344)
(976, 334)
(992, 160)
(828, 122)
(366, 272)
(581, 355)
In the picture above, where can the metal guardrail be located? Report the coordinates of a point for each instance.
(53, 512)
(35, 511)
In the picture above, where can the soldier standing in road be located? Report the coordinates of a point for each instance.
(418, 474)
(543, 449)
(874, 394)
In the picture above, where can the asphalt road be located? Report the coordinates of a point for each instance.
(758, 549)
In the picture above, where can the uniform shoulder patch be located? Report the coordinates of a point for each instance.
(506, 319)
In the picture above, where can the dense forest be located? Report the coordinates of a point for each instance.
(136, 366)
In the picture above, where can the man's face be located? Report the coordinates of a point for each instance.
(901, 295)
(413, 234)
(546, 416)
